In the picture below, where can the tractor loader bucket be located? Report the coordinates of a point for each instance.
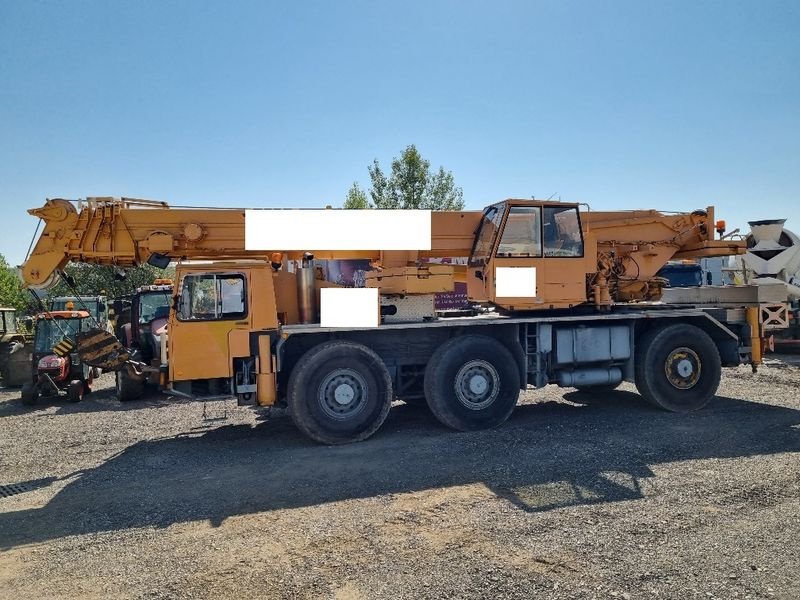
(100, 348)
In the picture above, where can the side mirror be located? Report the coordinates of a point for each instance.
(158, 260)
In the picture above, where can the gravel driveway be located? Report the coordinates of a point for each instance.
(569, 499)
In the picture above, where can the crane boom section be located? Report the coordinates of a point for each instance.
(126, 232)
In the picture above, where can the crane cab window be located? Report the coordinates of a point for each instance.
(521, 237)
(487, 233)
(561, 232)
(212, 297)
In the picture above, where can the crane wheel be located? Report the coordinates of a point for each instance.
(75, 390)
(677, 367)
(339, 392)
(128, 388)
(472, 382)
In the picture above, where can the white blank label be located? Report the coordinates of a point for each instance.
(334, 229)
(515, 282)
(349, 307)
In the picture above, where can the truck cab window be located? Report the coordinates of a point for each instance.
(212, 297)
(561, 232)
(521, 237)
(484, 240)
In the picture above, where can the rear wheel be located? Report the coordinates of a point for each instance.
(128, 387)
(75, 390)
(339, 392)
(30, 394)
(472, 382)
(677, 367)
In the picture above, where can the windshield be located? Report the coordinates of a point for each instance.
(92, 305)
(51, 331)
(521, 237)
(487, 232)
(215, 296)
(154, 305)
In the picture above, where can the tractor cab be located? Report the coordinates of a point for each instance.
(529, 254)
(56, 366)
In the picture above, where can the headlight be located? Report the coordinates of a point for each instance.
(51, 362)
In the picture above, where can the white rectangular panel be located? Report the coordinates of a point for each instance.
(349, 307)
(515, 282)
(335, 229)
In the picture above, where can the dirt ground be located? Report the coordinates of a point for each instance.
(569, 499)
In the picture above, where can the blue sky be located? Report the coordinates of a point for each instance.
(669, 105)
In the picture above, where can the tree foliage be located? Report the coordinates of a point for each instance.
(11, 293)
(356, 197)
(92, 280)
(411, 184)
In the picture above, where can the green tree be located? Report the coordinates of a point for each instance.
(356, 197)
(411, 184)
(92, 280)
(11, 293)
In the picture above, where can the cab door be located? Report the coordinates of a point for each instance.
(538, 259)
(209, 306)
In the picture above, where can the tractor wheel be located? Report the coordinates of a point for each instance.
(129, 387)
(75, 390)
(30, 394)
(471, 383)
(5, 360)
(339, 392)
(677, 367)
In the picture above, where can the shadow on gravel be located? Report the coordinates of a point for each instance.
(101, 400)
(548, 455)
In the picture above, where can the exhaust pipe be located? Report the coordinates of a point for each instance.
(307, 290)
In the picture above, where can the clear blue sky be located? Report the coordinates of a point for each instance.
(621, 104)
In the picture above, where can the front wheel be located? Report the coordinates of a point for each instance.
(677, 367)
(30, 394)
(472, 382)
(339, 392)
(128, 387)
(75, 390)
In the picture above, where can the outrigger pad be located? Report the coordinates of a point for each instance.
(100, 348)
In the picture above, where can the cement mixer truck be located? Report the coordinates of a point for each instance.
(773, 259)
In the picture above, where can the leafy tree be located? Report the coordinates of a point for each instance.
(411, 184)
(91, 280)
(11, 293)
(356, 197)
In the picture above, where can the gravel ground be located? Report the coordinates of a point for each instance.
(607, 499)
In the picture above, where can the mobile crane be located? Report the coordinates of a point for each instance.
(562, 296)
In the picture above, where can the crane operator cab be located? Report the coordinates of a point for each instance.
(530, 255)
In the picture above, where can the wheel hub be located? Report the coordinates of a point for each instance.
(342, 394)
(683, 368)
(477, 384)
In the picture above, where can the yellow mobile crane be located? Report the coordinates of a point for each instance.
(561, 296)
